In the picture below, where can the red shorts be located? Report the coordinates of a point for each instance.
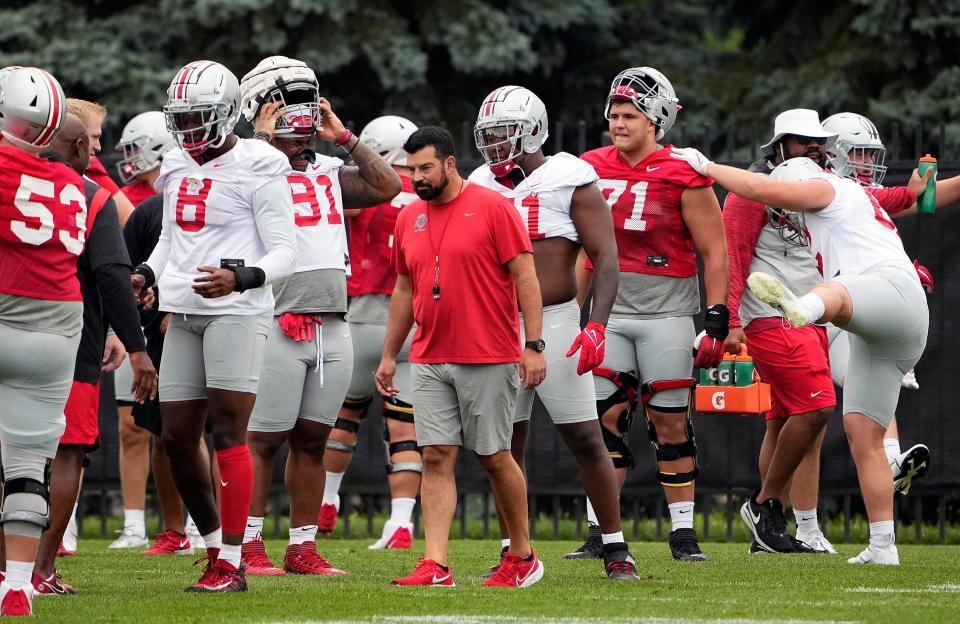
(82, 413)
(796, 364)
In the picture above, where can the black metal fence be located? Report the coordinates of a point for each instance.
(729, 446)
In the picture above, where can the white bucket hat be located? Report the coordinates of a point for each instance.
(801, 122)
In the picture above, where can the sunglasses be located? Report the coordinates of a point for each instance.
(807, 140)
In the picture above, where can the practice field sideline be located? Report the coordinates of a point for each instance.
(735, 587)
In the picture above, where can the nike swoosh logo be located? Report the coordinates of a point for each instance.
(469, 214)
(219, 165)
(440, 580)
(223, 483)
(652, 168)
(756, 517)
(813, 394)
(805, 519)
(684, 511)
(556, 326)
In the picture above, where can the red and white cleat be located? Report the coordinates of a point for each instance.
(63, 552)
(327, 521)
(304, 559)
(170, 543)
(15, 601)
(427, 573)
(516, 572)
(51, 586)
(394, 536)
(219, 577)
(254, 557)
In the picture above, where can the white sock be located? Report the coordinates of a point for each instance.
(190, 526)
(881, 534)
(681, 515)
(254, 530)
(401, 510)
(505, 543)
(301, 535)
(231, 554)
(806, 520)
(613, 538)
(591, 514)
(133, 521)
(19, 574)
(814, 305)
(891, 446)
(331, 489)
(75, 507)
(213, 540)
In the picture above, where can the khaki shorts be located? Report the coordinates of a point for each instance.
(36, 374)
(291, 385)
(122, 380)
(367, 351)
(568, 397)
(468, 405)
(203, 351)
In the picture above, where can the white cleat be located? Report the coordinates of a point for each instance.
(908, 466)
(129, 538)
(910, 380)
(817, 541)
(70, 535)
(395, 536)
(768, 289)
(193, 534)
(878, 556)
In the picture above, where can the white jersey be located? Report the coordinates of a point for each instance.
(318, 215)
(234, 207)
(543, 198)
(853, 233)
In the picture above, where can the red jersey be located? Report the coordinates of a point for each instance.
(475, 319)
(371, 245)
(43, 223)
(98, 174)
(652, 237)
(138, 191)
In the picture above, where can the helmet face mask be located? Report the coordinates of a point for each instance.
(788, 225)
(203, 106)
(144, 141)
(498, 146)
(858, 152)
(299, 107)
(197, 128)
(512, 121)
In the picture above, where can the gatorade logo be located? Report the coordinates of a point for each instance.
(718, 400)
(723, 376)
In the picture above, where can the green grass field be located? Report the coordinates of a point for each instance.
(734, 587)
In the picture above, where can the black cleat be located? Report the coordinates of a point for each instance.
(591, 549)
(765, 520)
(621, 566)
(755, 548)
(684, 546)
(909, 466)
(802, 548)
(493, 569)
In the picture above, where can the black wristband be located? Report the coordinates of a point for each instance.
(717, 321)
(248, 277)
(149, 278)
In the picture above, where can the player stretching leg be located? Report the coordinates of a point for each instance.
(563, 210)
(227, 233)
(873, 294)
(370, 285)
(309, 356)
(662, 213)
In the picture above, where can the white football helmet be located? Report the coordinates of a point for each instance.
(797, 169)
(789, 225)
(512, 121)
(285, 80)
(386, 136)
(650, 92)
(32, 107)
(203, 106)
(858, 152)
(145, 139)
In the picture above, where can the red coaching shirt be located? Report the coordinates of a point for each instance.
(475, 320)
(96, 172)
(138, 191)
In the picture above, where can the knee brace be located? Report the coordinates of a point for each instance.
(26, 506)
(348, 426)
(362, 405)
(398, 410)
(671, 451)
(627, 384)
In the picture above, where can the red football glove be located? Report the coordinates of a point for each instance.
(708, 351)
(591, 343)
(299, 327)
(926, 277)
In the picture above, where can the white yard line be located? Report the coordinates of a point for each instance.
(494, 619)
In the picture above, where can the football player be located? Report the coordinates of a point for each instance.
(873, 293)
(104, 271)
(41, 313)
(228, 234)
(369, 287)
(793, 361)
(309, 355)
(144, 141)
(662, 215)
(563, 210)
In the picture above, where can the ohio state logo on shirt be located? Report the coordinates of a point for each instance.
(421, 223)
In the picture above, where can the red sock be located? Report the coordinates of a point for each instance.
(236, 481)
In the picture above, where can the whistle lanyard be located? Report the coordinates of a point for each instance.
(436, 248)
